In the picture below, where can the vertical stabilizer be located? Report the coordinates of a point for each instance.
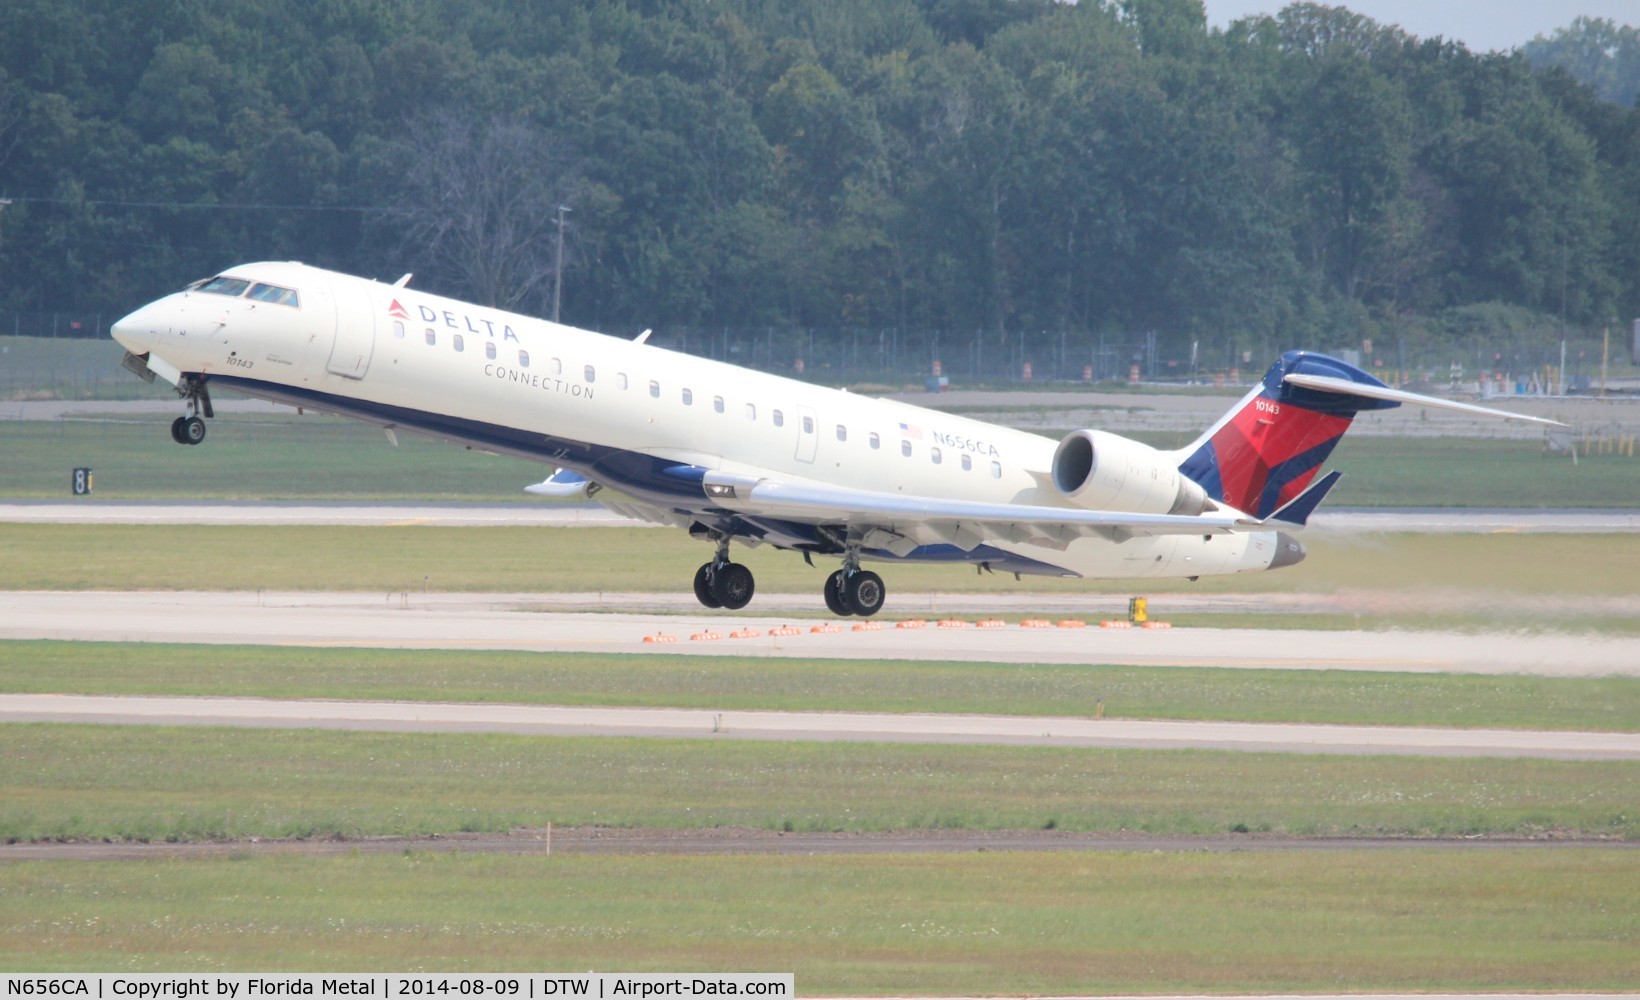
(1262, 454)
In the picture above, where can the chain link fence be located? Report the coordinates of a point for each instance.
(52, 355)
(54, 325)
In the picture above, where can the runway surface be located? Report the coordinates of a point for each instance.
(517, 622)
(94, 510)
(375, 514)
(845, 727)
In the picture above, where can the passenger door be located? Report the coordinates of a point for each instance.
(355, 329)
(808, 433)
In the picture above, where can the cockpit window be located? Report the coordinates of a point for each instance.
(261, 291)
(223, 285)
(274, 293)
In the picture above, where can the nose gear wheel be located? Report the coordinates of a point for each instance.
(190, 429)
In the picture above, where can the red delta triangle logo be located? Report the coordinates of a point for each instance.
(454, 320)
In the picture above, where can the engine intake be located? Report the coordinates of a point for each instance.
(1098, 470)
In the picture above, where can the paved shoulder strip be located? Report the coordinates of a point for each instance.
(820, 726)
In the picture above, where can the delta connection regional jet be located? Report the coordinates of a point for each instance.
(731, 454)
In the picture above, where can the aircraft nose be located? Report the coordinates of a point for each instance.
(1289, 551)
(137, 331)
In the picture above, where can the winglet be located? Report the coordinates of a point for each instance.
(1298, 510)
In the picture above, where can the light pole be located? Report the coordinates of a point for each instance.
(558, 265)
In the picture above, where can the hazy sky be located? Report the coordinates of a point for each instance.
(1482, 25)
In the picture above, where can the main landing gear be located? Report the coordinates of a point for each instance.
(190, 429)
(724, 584)
(849, 591)
(854, 591)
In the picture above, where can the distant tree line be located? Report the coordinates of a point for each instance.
(978, 167)
(1596, 51)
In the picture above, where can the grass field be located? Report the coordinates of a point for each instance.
(729, 683)
(1420, 570)
(952, 925)
(1444, 472)
(154, 783)
(290, 457)
(252, 457)
(66, 368)
(1294, 921)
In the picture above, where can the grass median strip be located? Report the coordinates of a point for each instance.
(156, 783)
(1610, 704)
(279, 456)
(958, 925)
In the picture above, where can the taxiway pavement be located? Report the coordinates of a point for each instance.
(295, 512)
(95, 510)
(872, 727)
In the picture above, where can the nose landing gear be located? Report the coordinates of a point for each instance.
(190, 429)
(187, 430)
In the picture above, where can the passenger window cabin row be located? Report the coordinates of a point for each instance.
(687, 397)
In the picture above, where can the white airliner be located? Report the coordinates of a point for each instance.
(731, 454)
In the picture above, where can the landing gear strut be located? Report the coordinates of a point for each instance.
(724, 584)
(190, 429)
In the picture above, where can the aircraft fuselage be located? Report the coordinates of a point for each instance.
(640, 421)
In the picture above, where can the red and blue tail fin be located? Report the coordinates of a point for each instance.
(1261, 456)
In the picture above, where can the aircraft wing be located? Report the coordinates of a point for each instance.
(906, 521)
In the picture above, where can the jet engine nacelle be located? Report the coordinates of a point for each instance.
(1103, 471)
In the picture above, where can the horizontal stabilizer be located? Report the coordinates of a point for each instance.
(1326, 383)
(1297, 512)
